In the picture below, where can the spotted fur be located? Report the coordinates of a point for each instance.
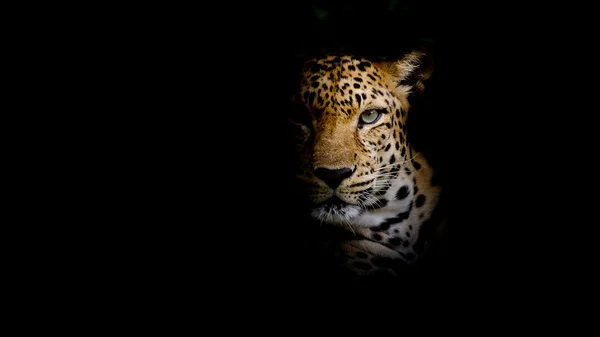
(366, 185)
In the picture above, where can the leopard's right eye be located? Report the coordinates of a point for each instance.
(370, 116)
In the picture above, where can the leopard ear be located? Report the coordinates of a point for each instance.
(411, 70)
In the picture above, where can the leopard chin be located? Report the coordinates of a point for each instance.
(336, 213)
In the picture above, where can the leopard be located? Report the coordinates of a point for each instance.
(370, 193)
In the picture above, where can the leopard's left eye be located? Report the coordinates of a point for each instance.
(370, 116)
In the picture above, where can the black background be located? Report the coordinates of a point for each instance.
(183, 212)
(204, 163)
(203, 168)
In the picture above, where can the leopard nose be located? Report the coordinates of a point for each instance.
(333, 178)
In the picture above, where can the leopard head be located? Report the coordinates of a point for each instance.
(349, 123)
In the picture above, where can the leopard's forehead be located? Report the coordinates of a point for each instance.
(342, 83)
(339, 67)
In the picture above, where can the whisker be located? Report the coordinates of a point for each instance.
(352, 229)
(372, 201)
(378, 174)
(360, 202)
(384, 180)
(387, 166)
(347, 222)
(392, 176)
(398, 163)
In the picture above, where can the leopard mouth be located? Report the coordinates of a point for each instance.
(335, 210)
(334, 201)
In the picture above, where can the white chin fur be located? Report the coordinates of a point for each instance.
(336, 214)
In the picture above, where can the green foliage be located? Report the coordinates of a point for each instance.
(321, 14)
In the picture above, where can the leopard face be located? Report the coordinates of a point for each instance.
(350, 128)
